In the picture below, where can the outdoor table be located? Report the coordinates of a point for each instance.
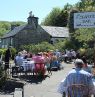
(28, 65)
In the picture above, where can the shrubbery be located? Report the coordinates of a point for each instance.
(42, 47)
(3, 50)
(90, 55)
(88, 52)
(45, 46)
(13, 53)
(60, 45)
(2, 73)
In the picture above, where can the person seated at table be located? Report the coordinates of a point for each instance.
(39, 63)
(19, 59)
(38, 58)
(47, 62)
(27, 57)
(54, 61)
(77, 76)
(24, 53)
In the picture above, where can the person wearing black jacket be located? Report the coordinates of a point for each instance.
(7, 58)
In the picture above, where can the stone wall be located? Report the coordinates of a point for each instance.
(30, 36)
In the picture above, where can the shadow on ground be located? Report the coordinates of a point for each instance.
(9, 86)
(33, 78)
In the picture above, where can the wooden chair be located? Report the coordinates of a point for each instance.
(78, 90)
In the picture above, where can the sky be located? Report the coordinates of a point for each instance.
(18, 10)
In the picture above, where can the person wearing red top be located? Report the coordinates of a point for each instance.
(39, 64)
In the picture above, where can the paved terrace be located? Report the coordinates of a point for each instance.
(37, 87)
(47, 87)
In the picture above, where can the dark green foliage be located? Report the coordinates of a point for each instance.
(71, 21)
(58, 17)
(62, 19)
(83, 37)
(90, 55)
(86, 5)
(50, 19)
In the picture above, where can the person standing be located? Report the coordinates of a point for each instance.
(7, 58)
(77, 76)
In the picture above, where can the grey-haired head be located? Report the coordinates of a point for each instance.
(79, 63)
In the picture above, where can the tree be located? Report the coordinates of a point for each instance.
(62, 18)
(5, 26)
(82, 36)
(58, 17)
(86, 5)
(50, 19)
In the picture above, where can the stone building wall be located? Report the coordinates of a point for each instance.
(30, 36)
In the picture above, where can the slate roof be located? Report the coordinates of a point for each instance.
(14, 31)
(51, 30)
(56, 31)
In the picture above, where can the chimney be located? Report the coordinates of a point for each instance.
(32, 20)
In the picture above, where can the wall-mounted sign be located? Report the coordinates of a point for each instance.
(84, 20)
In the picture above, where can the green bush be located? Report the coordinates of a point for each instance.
(13, 53)
(82, 51)
(41, 47)
(69, 44)
(90, 55)
(3, 50)
(60, 45)
(66, 44)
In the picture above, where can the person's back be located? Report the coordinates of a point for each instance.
(38, 59)
(77, 76)
(19, 59)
